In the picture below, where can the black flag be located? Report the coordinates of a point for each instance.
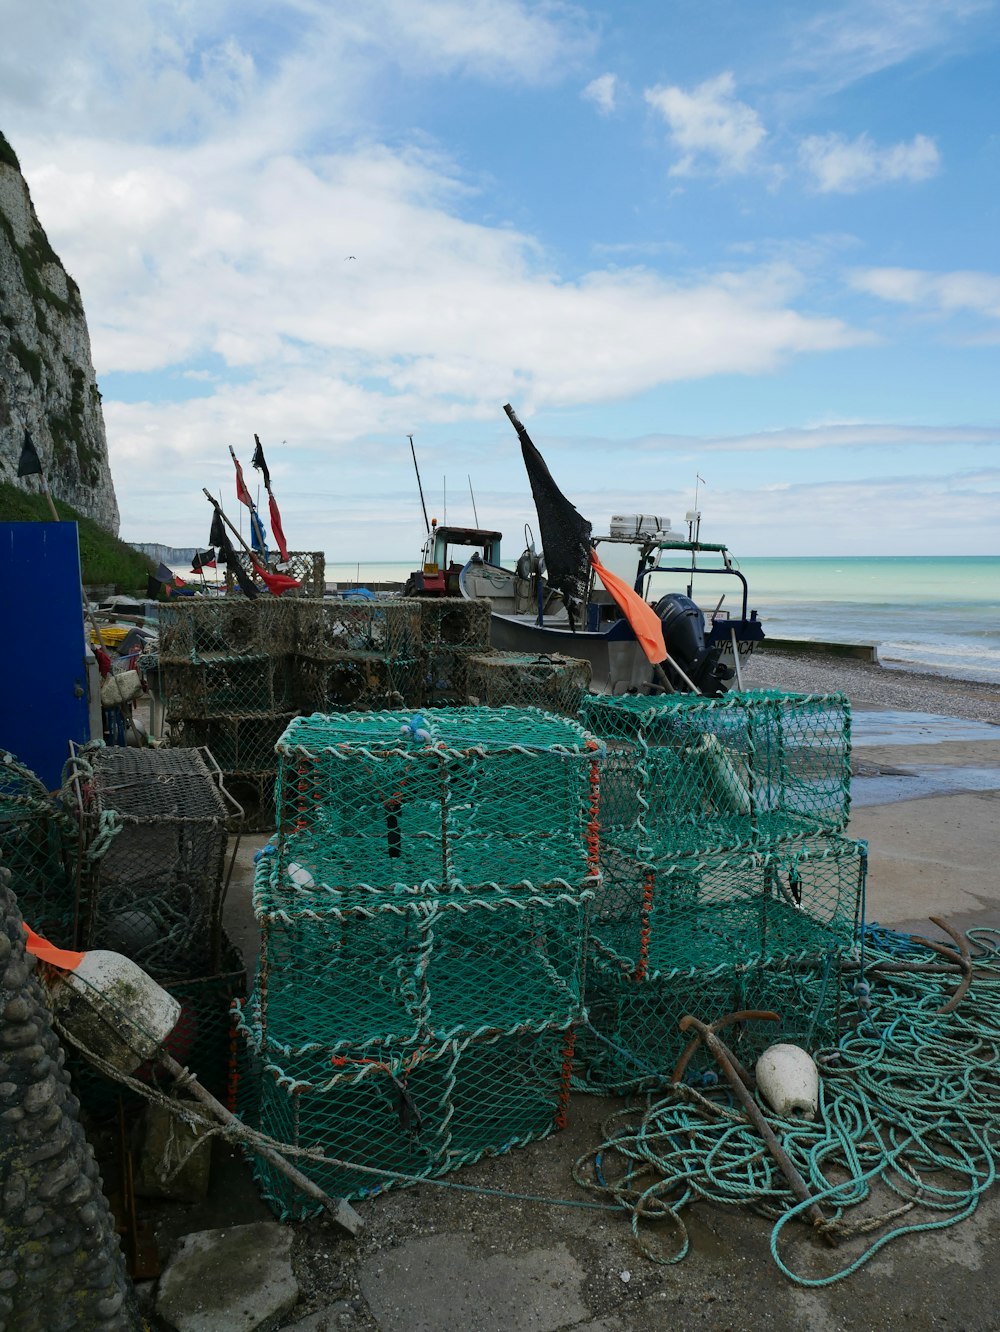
(217, 537)
(565, 533)
(235, 565)
(203, 559)
(258, 461)
(29, 463)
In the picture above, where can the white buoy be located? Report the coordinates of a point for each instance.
(788, 1079)
(114, 1008)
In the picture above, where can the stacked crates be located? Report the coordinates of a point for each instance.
(235, 672)
(228, 685)
(727, 883)
(423, 923)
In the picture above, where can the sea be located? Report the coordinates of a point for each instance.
(939, 614)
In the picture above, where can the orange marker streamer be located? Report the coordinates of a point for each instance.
(62, 958)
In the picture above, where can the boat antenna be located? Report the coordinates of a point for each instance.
(475, 515)
(420, 487)
(444, 498)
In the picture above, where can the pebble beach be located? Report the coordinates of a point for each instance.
(868, 684)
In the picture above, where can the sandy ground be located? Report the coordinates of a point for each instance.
(434, 1260)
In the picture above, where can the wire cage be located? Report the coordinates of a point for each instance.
(634, 1032)
(798, 900)
(155, 894)
(421, 970)
(365, 681)
(227, 686)
(214, 628)
(446, 799)
(687, 775)
(39, 846)
(414, 1113)
(551, 682)
(386, 626)
(237, 744)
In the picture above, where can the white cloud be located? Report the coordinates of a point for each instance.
(601, 91)
(851, 40)
(947, 293)
(181, 255)
(842, 435)
(841, 165)
(709, 122)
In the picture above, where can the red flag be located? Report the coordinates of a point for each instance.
(179, 581)
(644, 620)
(276, 583)
(242, 494)
(276, 529)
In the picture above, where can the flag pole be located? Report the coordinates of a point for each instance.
(219, 510)
(255, 523)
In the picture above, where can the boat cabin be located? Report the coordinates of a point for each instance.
(439, 570)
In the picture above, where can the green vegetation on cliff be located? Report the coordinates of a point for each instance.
(103, 557)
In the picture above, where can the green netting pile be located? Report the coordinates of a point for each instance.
(726, 882)
(423, 921)
(38, 844)
(522, 679)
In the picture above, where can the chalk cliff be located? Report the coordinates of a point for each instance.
(47, 381)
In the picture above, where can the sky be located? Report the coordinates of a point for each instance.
(751, 244)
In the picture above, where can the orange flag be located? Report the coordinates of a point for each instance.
(46, 952)
(644, 620)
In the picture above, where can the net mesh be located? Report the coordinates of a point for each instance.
(221, 685)
(553, 683)
(420, 1113)
(797, 900)
(455, 798)
(38, 844)
(213, 628)
(423, 914)
(335, 626)
(388, 971)
(203, 1041)
(634, 1031)
(687, 775)
(155, 893)
(308, 566)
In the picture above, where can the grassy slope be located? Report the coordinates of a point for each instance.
(103, 557)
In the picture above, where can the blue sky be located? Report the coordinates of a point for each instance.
(751, 242)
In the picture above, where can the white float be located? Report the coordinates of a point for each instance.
(788, 1079)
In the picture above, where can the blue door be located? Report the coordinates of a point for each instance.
(43, 685)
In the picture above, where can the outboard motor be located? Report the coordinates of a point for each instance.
(684, 636)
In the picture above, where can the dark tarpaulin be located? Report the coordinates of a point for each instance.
(565, 534)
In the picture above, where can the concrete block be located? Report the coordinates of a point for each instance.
(239, 1279)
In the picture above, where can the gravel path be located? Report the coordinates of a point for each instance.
(868, 684)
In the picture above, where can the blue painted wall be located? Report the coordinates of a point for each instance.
(43, 686)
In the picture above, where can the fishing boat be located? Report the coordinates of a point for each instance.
(553, 601)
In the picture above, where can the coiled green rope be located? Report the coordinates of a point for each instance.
(908, 1125)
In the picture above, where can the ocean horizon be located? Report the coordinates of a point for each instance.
(936, 613)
